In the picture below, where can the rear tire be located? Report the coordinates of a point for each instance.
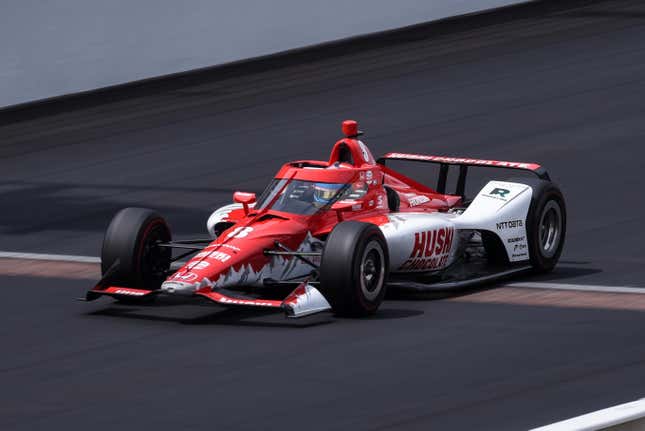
(131, 238)
(354, 268)
(546, 226)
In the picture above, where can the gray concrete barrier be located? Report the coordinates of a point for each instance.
(49, 49)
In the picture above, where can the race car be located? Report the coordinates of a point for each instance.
(336, 234)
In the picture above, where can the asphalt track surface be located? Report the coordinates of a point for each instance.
(564, 86)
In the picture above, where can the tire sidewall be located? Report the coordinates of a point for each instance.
(125, 240)
(368, 304)
(340, 269)
(543, 194)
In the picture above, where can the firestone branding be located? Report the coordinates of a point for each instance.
(518, 165)
(418, 200)
(511, 224)
(236, 301)
(431, 249)
(129, 292)
(214, 255)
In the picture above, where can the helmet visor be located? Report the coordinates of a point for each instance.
(324, 192)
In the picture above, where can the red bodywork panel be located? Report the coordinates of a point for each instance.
(350, 163)
(241, 250)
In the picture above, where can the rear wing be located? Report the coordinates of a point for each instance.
(463, 163)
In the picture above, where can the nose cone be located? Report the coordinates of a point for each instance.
(237, 258)
(184, 288)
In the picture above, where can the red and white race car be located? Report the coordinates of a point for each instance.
(335, 234)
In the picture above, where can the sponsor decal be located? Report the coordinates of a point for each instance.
(187, 276)
(211, 255)
(499, 192)
(357, 207)
(225, 300)
(511, 224)
(431, 249)
(364, 151)
(369, 178)
(129, 292)
(418, 200)
(370, 203)
(440, 159)
(516, 239)
(219, 256)
(380, 202)
(520, 247)
(525, 254)
(239, 232)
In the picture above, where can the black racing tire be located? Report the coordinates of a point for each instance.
(131, 238)
(354, 269)
(393, 199)
(546, 225)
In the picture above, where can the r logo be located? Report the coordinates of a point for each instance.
(500, 192)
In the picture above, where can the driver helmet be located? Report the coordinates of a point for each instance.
(325, 192)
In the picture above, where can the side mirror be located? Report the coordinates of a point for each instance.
(342, 207)
(245, 199)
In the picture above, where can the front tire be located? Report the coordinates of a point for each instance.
(131, 239)
(354, 268)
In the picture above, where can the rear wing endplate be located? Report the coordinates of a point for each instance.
(463, 163)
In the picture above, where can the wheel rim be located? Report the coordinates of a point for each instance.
(372, 270)
(550, 229)
(154, 259)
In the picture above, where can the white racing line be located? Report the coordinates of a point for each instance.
(51, 257)
(528, 285)
(628, 416)
(580, 287)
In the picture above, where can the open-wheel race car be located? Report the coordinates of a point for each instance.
(333, 235)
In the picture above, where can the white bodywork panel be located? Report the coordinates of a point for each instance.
(501, 207)
(420, 242)
(221, 215)
(305, 300)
